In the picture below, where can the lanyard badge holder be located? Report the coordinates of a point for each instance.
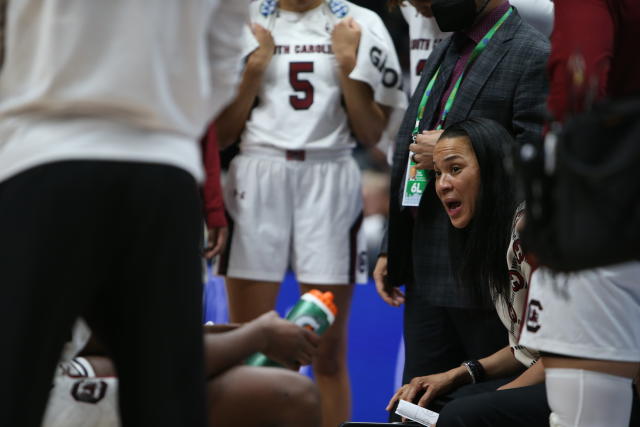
(416, 180)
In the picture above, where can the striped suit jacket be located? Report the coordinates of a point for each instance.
(507, 83)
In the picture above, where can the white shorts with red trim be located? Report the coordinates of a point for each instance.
(298, 209)
(592, 314)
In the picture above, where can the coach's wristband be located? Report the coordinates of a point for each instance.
(475, 369)
(473, 378)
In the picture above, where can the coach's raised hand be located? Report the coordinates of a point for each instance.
(344, 41)
(422, 148)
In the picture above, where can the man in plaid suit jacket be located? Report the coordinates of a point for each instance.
(443, 324)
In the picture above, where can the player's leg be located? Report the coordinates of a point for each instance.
(51, 219)
(150, 314)
(249, 299)
(251, 396)
(329, 253)
(524, 406)
(257, 254)
(330, 364)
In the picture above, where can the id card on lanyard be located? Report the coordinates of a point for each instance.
(416, 180)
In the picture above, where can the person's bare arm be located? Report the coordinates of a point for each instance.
(221, 327)
(284, 342)
(367, 118)
(501, 364)
(533, 375)
(102, 366)
(231, 121)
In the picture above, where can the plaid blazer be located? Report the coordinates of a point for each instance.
(507, 83)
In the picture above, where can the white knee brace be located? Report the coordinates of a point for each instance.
(580, 398)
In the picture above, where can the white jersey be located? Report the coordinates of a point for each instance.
(300, 100)
(80, 402)
(78, 398)
(424, 36)
(537, 13)
(424, 33)
(118, 80)
(511, 309)
(592, 314)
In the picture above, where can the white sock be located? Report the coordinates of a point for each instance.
(581, 398)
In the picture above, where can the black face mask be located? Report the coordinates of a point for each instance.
(455, 15)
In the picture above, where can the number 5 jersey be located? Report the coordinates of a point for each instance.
(300, 104)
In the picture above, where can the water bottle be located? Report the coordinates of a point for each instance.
(314, 311)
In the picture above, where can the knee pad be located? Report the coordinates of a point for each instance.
(581, 398)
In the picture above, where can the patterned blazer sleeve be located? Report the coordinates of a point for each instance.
(400, 153)
(399, 230)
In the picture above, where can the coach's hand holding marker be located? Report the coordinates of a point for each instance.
(261, 57)
(344, 41)
(432, 386)
(422, 148)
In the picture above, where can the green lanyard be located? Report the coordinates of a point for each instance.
(477, 50)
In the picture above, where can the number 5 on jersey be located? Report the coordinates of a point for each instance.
(304, 100)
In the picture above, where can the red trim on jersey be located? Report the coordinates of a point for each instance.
(212, 190)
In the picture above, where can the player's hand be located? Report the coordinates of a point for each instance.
(344, 42)
(432, 386)
(261, 57)
(216, 241)
(287, 343)
(389, 294)
(422, 149)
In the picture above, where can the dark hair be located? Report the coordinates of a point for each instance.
(478, 252)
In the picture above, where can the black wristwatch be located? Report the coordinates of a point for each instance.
(475, 369)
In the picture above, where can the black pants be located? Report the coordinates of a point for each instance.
(480, 405)
(117, 243)
(440, 338)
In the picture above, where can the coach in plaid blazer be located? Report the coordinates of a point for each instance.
(443, 325)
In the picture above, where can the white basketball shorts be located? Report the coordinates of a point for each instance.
(591, 314)
(297, 209)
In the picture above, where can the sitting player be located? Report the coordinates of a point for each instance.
(85, 387)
